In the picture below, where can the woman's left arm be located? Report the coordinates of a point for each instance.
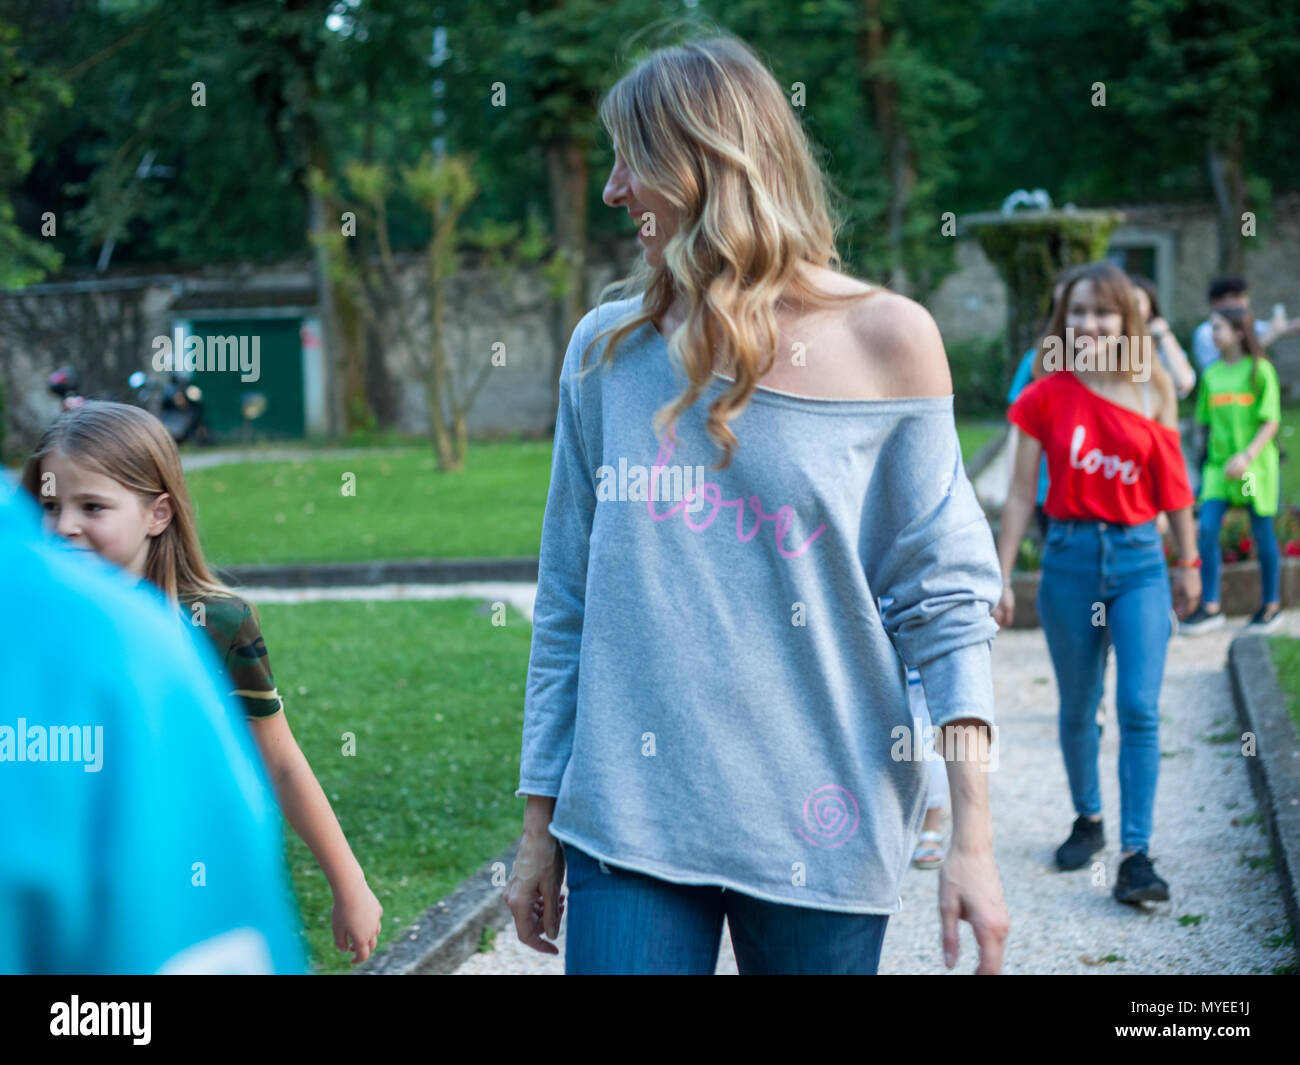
(929, 547)
(305, 807)
(1187, 574)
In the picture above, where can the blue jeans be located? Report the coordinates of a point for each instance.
(1212, 511)
(621, 922)
(1101, 584)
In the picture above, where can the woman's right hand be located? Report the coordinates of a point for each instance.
(533, 893)
(1006, 608)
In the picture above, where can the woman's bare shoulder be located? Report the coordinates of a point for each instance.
(900, 344)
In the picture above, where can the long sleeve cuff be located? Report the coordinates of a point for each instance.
(546, 789)
(960, 684)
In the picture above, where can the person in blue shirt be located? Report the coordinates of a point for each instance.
(1023, 376)
(142, 835)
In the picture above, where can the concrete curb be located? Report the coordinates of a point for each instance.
(1239, 581)
(396, 571)
(450, 930)
(1275, 769)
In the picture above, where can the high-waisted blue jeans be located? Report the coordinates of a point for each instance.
(622, 922)
(1104, 583)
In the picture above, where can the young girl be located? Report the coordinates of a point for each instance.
(1113, 453)
(1240, 402)
(109, 478)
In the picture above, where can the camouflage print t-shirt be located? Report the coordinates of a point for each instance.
(237, 639)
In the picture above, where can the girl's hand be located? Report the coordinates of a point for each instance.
(1236, 467)
(970, 890)
(1156, 326)
(1187, 590)
(1006, 608)
(533, 893)
(355, 919)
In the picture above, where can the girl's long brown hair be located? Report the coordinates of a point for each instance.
(1112, 285)
(1243, 324)
(1063, 282)
(132, 447)
(708, 127)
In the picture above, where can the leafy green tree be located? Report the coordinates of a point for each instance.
(1208, 87)
(26, 93)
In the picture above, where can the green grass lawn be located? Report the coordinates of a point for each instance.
(433, 692)
(403, 506)
(1288, 439)
(974, 433)
(1285, 651)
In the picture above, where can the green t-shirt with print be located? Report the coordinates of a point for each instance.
(1234, 409)
(236, 637)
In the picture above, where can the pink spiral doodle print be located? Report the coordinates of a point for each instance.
(830, 814)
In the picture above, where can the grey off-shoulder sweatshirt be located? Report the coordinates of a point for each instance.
(713, 694)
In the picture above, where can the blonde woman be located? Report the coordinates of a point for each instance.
(716, 714)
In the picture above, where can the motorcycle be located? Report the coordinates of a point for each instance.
(66, 384)
(182, 410)
(178, 404)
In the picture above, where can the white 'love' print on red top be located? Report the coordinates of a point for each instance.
(1094, 461)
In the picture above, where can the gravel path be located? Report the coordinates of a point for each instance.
(223, 456)
(1061, 922)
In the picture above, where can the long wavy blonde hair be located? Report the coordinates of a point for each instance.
(132, 447)
(706, 125)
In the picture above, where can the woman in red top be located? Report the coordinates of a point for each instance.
(1104, 413)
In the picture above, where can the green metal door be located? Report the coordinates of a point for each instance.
(278, 345)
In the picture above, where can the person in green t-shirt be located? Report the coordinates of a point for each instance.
(1240, 401)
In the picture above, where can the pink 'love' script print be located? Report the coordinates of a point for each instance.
(781, 520)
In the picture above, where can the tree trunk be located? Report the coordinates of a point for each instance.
(437, 386)
(331, 335)
(894, 143)
(1224, 157)
(567, 164)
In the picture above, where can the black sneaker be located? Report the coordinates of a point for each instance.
(1086, 839)
(1201, 621)
(1265, 619)
(1137, 881)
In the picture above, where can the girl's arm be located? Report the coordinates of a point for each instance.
(1180, 366)
(1016, 515)
(303, 802)
(1266, 433)
(1277, 332)
(1237, 465)
(1186, 579)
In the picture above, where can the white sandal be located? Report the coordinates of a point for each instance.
(929, 851)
